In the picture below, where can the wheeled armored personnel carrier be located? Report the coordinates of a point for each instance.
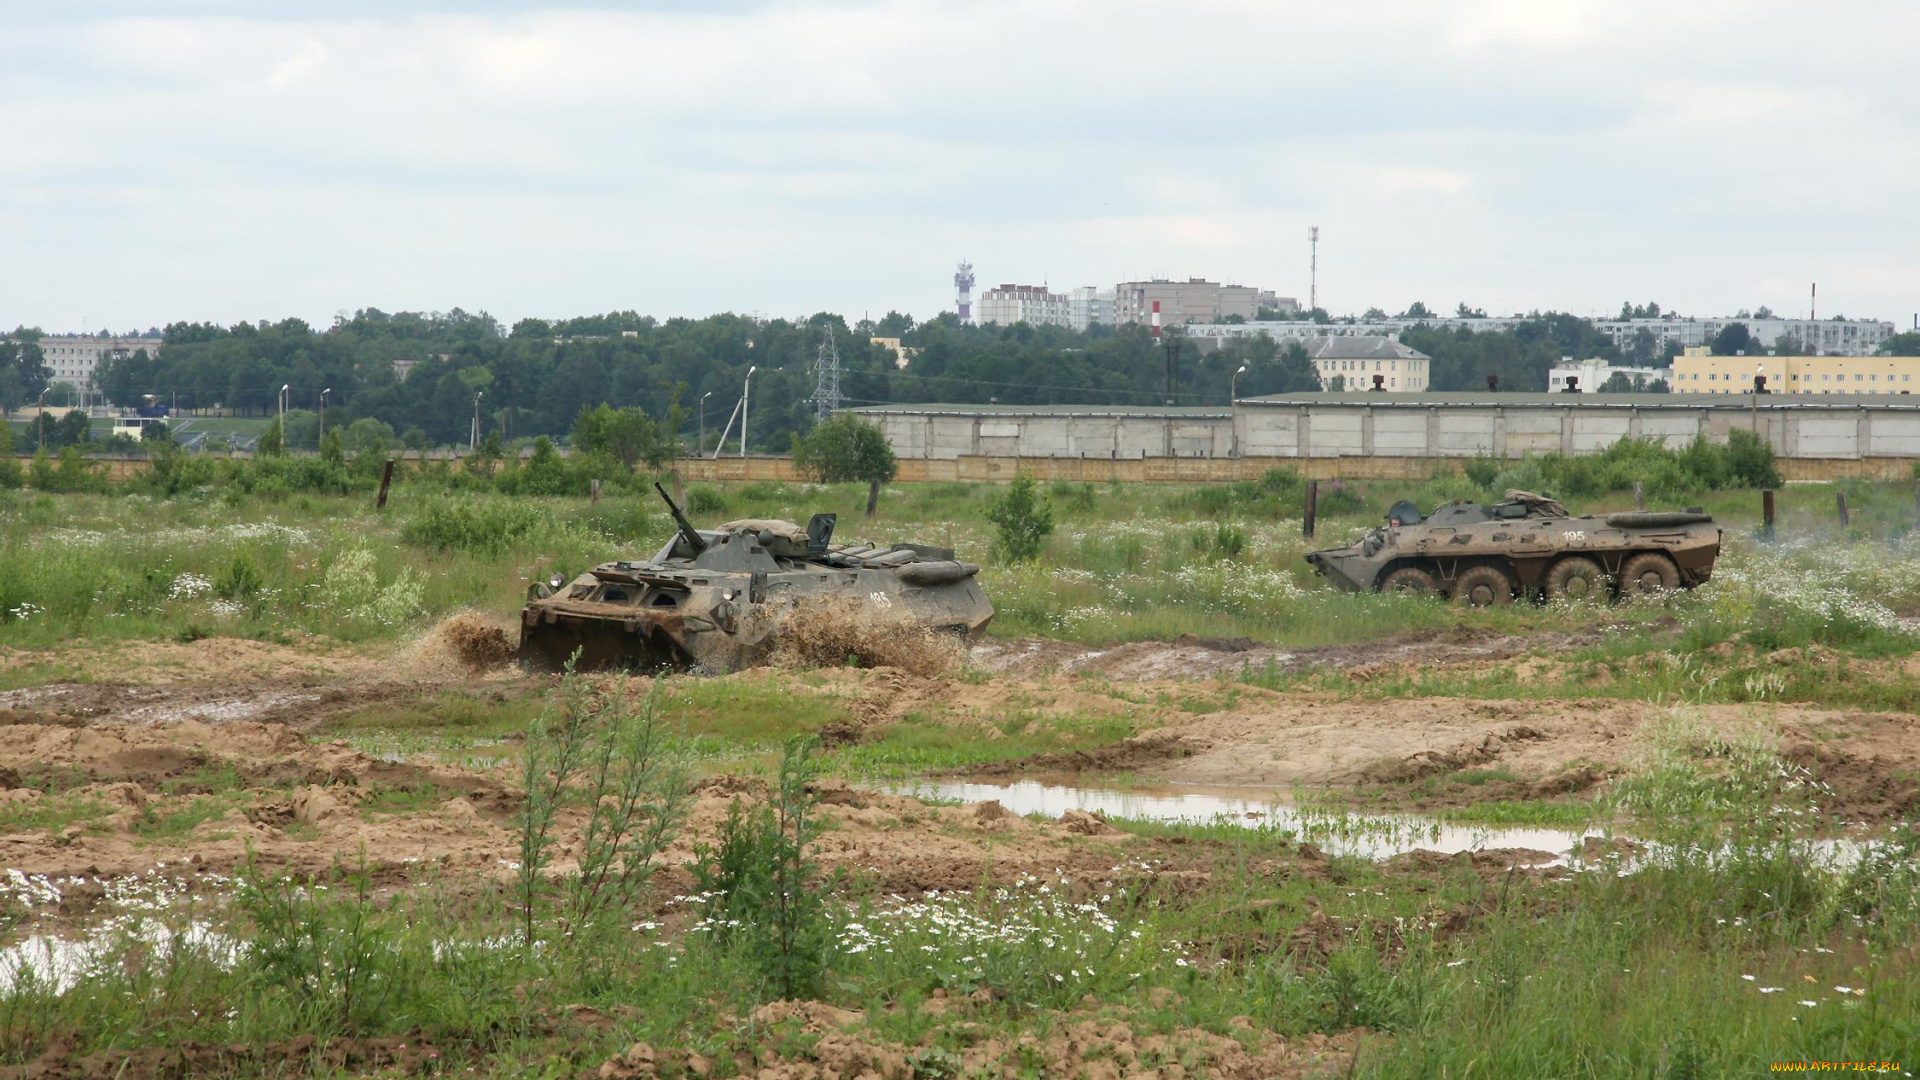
(1485, 555)
(711, 600)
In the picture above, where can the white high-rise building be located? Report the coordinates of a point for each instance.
(76, 359)
(1087, 305)
(1035, 305)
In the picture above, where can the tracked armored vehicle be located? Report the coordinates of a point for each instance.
(711, 600)
(1526, 545)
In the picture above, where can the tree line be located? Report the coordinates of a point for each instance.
(427, 377)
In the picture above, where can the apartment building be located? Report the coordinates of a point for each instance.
(1035, 305)
(1195, 300)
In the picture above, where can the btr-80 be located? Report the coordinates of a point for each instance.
(1485, 555)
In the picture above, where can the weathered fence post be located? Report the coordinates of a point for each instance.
(1841, 496)
(1313, 507)
(873, 497)
(593, 492)
(1639, 496)
(1766, 514)
(386, 478)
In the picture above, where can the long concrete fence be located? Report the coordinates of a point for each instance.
(1361, 435)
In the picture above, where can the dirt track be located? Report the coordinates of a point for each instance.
(137, 755)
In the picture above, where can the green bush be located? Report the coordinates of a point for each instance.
(764, 874)
(480, 526)
(1023, 518)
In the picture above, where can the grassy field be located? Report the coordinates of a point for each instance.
(1722, 935)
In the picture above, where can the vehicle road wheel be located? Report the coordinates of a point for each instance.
(1576, 579)
(1649, 574)
(1483, 586)
(1409, 581)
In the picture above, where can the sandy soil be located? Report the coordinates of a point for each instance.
(135, 748)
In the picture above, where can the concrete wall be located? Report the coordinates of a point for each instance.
(947, 436)
(1410, 428)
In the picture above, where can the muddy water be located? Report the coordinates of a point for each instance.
(1368, 836)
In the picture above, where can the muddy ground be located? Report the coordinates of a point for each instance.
(203, 751)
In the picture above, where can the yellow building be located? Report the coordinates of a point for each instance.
(1696, 372)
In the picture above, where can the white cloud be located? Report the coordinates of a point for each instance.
(682, 158)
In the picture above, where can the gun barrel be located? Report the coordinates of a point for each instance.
(687, 531)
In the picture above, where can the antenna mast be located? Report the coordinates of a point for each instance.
(1313, 268)
(826, 388)
(963, 281)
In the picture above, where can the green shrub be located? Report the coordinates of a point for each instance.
(706, 501)
(1023, 518)
(764, 874)
(480, 526)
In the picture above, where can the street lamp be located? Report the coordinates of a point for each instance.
(473, 445)
(703, 420)
(1233, 385)
(746, 389)
(323, 413)
(284, 388)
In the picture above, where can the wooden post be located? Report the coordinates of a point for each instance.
(1313, 506)
(593, 492)
(1639, 496)
(1766, 514)
(386, 478)
(1841, 496)
(873, 497)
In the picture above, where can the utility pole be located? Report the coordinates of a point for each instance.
(746, 391)
(473, 445)
(323, 413)
(284, 389)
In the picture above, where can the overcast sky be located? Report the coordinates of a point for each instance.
(242, 160)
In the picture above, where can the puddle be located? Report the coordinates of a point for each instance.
(1372, 836)
(56, 965)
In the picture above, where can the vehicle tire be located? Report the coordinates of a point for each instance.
(1409, 581)
(1483, 586)
(1576, 579)
(1648, 574)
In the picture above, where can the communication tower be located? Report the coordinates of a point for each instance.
(826, 387)
(1313, 268)
(963, 281)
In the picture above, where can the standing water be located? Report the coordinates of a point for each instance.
(1372, 836)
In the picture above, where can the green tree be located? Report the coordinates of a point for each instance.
(333, 450)
(627, 435)
(370, 436)
(1374, 314)
(1024, 519)
(1619, 383)
(1790, 345)
(9, 464)
(1416, 310)
(1907, 344)
(1735, 339)
(157, 434)
(1644, 349)
(1463, 311)
(845, 449)
(73, 429)
(271, 444)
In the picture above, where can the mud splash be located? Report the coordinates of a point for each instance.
(830, 632)
(468, 640)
